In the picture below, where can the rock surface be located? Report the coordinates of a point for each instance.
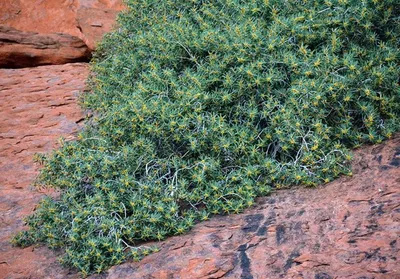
(94, 22)
(86, 19)
(27, 49)
(37, 106)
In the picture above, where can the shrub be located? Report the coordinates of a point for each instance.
(201, 106)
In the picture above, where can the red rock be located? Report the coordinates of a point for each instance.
(85, 19)
(317, 258)
(94, 23)
(27, 49)
(37, 106)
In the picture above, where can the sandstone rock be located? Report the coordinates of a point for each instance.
(28, 49)
(37, 106)
(74, 17)
(94, 18)
(93, 23)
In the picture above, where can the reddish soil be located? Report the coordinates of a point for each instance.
(349, 228)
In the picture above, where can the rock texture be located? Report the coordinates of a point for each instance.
(37, 106)
(94, 22)
(27, 49)
(349, 228)
(86, 19)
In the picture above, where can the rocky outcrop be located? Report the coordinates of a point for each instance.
(27, 49)
(85, 19)
(349, 229)
(37, 106)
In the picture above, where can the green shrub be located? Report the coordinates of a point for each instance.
(201, 106)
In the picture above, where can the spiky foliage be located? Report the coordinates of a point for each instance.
(201, 106)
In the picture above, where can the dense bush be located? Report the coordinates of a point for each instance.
(201, 106)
